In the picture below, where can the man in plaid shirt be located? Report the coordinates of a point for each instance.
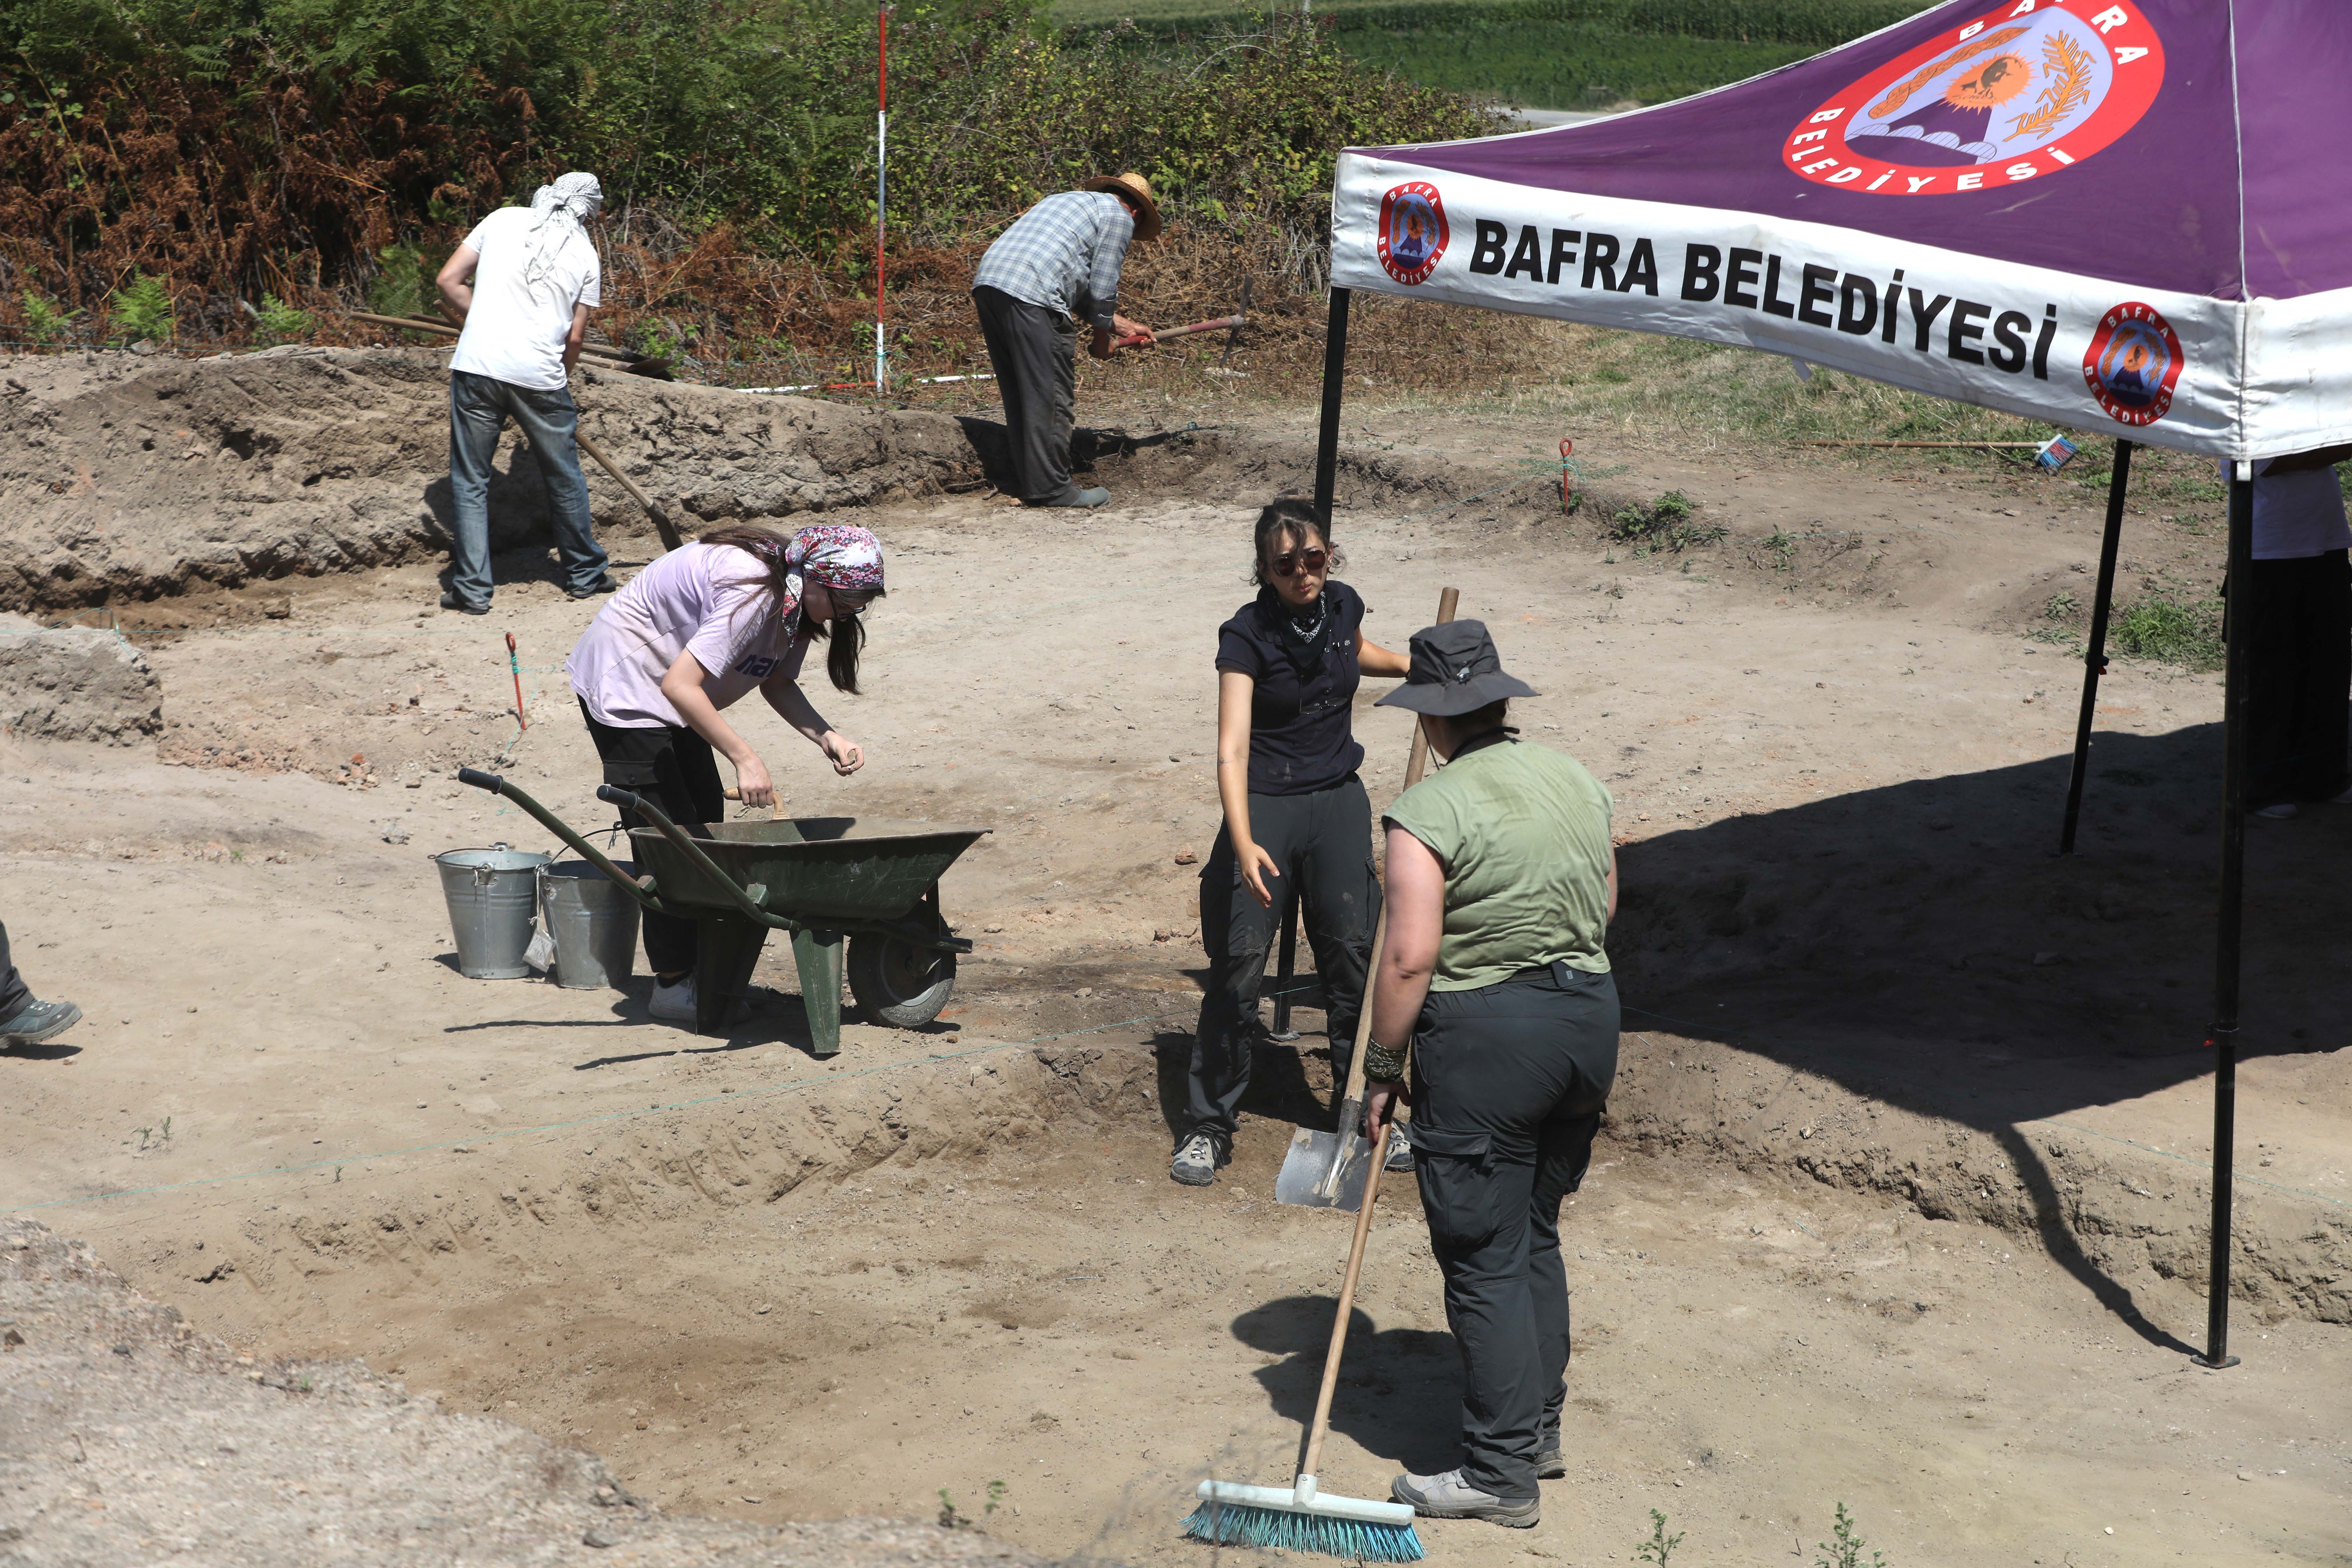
(1059, 260)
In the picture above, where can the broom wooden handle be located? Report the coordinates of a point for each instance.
(1322, 1423)
(1352, 1103)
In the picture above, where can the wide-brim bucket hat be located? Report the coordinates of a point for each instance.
(1146, 222)
(1455, 669)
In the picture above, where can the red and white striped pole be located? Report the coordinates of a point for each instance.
(881, 183)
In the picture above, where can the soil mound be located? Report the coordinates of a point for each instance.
(126, 477)
(129, 1436)
(75, 685)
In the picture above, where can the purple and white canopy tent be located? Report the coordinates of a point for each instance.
(2116, 216)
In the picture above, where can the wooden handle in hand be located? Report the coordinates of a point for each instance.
(1322, 1422)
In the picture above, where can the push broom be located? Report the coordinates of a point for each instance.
(1302, 1517)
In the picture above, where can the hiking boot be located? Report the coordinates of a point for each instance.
(1399, 1161)
(602, 584)
(1196, 1161)
(2278, 812)
(1450, 1497)
(451, 602)
(38, 1021)
(1549, 1466)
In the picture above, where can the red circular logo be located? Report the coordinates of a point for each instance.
(1413, 231)
(2133, 363)
(2023, 91)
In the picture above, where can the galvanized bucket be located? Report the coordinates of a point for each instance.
(594, 924)
(492, 894)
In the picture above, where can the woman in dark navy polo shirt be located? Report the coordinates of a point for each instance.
(1295, 816)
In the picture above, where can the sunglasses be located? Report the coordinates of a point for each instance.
(1290, 563)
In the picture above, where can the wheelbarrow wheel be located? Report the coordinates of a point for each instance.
(896, 983)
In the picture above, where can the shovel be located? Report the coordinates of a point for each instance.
(1327, 1170)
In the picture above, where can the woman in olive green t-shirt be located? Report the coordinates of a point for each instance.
(1500, 885)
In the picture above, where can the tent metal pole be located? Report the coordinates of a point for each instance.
(1335, 375)
(2237, 703)
(2094, 656)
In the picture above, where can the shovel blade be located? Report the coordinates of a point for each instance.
(1306, 1179)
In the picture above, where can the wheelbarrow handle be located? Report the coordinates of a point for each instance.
(628, 800)
(555, 825)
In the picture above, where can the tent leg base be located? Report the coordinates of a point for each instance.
(2224, 1365)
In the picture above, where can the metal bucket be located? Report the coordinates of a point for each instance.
(492, 894)
(594, 924)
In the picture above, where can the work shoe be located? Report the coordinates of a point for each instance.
(1450, 1497)
(1092, 496)
(2277, 812)
(1399, 1161)
(675, 1003)
(602, 584)
(38, 1021)
(1549, 1466)
(1196, 1161)
(451, 602)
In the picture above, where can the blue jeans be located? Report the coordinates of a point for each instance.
(479, 407)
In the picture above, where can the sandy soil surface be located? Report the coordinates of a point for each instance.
(1902, 1202)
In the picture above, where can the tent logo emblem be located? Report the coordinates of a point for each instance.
(2133, 363)
(2025, 90)
(1413, 231)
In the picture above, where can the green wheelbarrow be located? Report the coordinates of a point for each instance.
(866, 885)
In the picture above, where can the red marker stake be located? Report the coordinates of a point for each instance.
(515, 664)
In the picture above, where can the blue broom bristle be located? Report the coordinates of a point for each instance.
(1239, 1524)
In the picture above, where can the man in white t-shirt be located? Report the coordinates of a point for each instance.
(521, 285)
(2299, 597)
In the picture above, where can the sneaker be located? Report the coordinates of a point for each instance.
(1450, 1497)
(1400, 1156)
(1195, 1165)
(2279, 811)
(38, 1021)
(1093, 496)
(675, 1003)
(1549, 1466)
(451, 602)
(602, 584)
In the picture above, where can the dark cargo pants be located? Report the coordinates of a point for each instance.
(1033, 351)
(1509, 1081)
(1322, 843)
(15, 996)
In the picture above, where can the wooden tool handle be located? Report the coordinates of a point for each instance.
(1164, 333)
(1322, 1422)
(668, 529)
(1353, 1101)
(427, 324)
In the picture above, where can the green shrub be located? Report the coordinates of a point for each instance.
(141, 311)
(44, 322)
(279, 323)
(2165, 628)
(404, 281)
(1665, 524)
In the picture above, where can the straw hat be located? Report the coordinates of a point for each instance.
(1146, 222)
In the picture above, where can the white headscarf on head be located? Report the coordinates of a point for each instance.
(559, 208)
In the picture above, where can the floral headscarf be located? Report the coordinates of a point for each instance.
(559, 210)
(839, 555)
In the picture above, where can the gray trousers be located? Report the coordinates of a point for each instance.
(14, 996)
(479, 406)
(1322, 843)
(1033, 351)
(1509, 1081)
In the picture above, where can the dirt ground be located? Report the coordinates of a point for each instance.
(1901, 1203)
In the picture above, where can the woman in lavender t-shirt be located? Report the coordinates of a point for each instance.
(689, 636)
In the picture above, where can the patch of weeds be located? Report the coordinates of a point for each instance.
(154, 1138)
(996, 1496)
(281, 323)
(404, 281)
(1783, 546)
(141, 311)
(2189, 634)
(2062, 604)
(1845, 1546)
(949, 1518)
(1665, 524)
(1660, 1546)
(2057, 636)
(44, 322)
